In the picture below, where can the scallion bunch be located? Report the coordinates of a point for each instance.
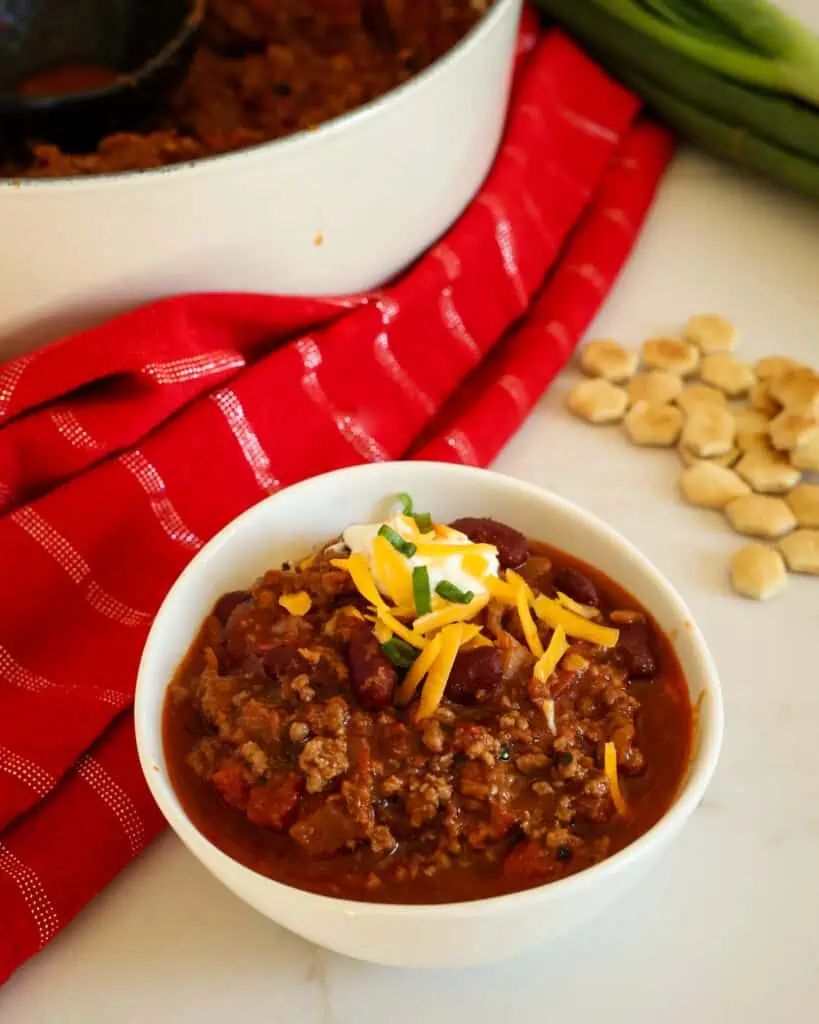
(738, 78)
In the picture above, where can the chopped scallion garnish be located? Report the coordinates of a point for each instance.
(422, 519)
(405, 547)
(420, 590)
(400, 653)
(452, 593)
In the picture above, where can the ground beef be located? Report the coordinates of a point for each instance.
(316, 783)
(265, 69)
(322, 760)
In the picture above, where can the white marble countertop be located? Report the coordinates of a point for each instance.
(725, 930)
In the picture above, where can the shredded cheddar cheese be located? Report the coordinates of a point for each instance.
(418, 669)
(470, 631)
(404, 612)
(523, 595)
(470, 634)
(347, 609)
(479, 641)
(444, 532)
(503, 592)
(517, 582)
(393, 570)
(296, 604)
(554, 615)
(356, 566)
(610, 768)
(587, 611)
(474, 564)
(383, 633)
(399, 628)
(445, 550)
(409, 528)
(548, 661)
(438, 675)
(450, 614)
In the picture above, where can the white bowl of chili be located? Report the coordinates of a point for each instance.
(294, 522)
(331, 211)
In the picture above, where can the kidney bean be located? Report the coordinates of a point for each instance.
(636, 644)
(228, 602)
(376, 22)
(373, 674)
(284, 659)
(513, 547)
(475, 676)
(577, 586)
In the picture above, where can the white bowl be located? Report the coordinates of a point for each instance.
(290, 523)
(377, 187)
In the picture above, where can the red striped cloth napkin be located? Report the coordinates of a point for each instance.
(123, 449)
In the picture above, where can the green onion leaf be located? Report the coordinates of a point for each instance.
(405, 501)
(452, 593)
(400, 653)
(420, 590)
(423, 519)
(405, 547)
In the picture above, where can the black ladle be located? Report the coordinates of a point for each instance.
(73, 71)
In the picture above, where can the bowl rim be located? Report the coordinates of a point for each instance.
(302, 140)
(702, 765)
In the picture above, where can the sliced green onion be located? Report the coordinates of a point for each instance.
(400, 653)
(738, 77)
(452, 593)
(422, 519)
(404, 546)
(420, 590)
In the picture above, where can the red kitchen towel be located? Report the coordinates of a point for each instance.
(123, 449)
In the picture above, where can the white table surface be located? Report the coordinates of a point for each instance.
(726, 929)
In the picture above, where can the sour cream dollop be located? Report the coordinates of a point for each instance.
(445, 567)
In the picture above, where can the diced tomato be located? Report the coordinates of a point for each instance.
(358, 790)
(231, 782)
(325, 831)
(501, 819)
(275, 804)
(528, 862)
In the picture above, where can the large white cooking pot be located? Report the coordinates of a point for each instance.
(337, 210)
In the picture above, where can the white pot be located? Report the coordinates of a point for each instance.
(291, 523)
(334, 211)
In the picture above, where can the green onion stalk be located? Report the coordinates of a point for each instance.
(737, 77)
